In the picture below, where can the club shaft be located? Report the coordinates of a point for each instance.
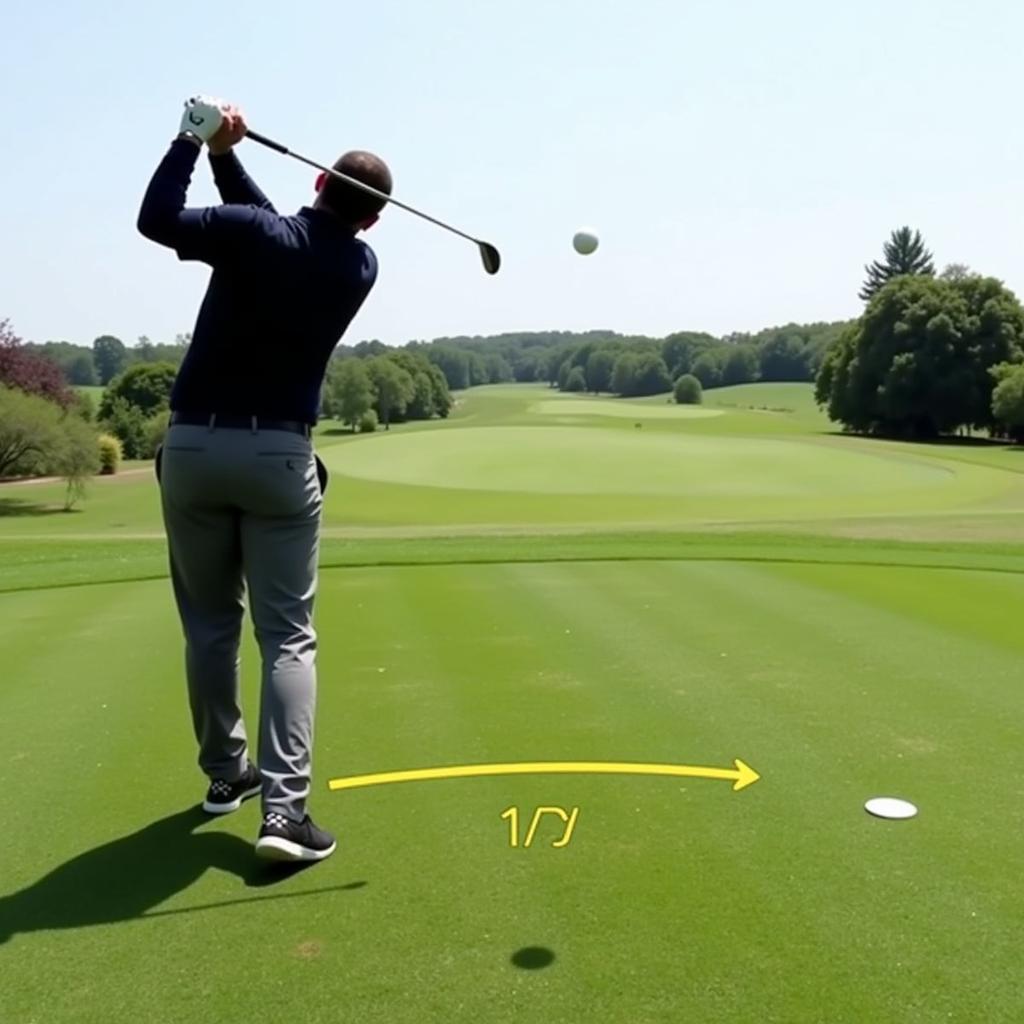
(264, 141)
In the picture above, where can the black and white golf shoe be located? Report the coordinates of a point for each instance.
(284, 839)
(224, 797)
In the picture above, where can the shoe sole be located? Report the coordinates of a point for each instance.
(278, 849)
(233, 805)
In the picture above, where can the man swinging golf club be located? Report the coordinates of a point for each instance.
(241, 487)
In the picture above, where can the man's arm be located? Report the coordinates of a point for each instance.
(234, 185)
(208, 234)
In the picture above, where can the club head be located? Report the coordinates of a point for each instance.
(490, 256)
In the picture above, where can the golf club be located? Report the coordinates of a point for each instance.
(490, 256)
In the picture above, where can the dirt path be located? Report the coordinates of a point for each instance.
(59, 479)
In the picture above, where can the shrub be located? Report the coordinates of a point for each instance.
(688, 390)
(110, 454)
(128, 424)
(156, 429)
(144, 385)
(368, 422)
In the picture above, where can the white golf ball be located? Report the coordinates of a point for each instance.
(584, 242)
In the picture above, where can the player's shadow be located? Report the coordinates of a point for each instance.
(127, 877)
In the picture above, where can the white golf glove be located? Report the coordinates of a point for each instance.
(202, 116)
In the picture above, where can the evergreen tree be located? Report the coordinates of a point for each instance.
(904, 253)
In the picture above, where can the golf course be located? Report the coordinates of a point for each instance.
(545, 577)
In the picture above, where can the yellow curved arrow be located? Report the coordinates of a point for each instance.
(741, 776)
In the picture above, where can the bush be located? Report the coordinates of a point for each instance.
(128, 424)
(84, 406)
(30, 433)
(144, 385)
(110, 454)
(156, 430)
(368, 422)
(688, 390)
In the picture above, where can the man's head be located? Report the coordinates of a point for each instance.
(352, 205)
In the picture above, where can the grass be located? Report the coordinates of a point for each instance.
(94, 391)
(506, 586)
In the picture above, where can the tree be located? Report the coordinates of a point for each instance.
(784, 357)
(1008, 399)
(917, 363)
(688, 391)
(453, 363)
(598, 372)
(575, 380)
(30, 372)
(904, 254)
(38, 437)
(498, 368)
(77, 458)
(680, 349)
(651, 375)
(956, 272)
(430, 388)
(707, 368)
(144, 351)
(350, 390)
(478, 373)
(29, 427)
(81, 370)
(147, 386)
(442, 396)
(110, 357)
(739, 365)
(393, 387)
(127, 422)
(624, 373)
(75, 361)
(84, 406)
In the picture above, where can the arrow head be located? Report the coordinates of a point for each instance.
(746, 776)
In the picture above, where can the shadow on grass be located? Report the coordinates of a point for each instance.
(339, 432)
(125, 879)
(944, 441)
(17, 507)
(533, 958)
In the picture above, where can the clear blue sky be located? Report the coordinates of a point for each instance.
(741, 161)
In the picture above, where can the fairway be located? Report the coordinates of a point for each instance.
(842, 615)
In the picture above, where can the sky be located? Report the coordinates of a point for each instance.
(740, 161)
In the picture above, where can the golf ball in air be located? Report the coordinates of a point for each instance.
(584, 242)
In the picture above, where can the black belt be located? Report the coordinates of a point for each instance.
(232, 421)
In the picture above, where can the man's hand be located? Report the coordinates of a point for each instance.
(231, 131)
(202, 117)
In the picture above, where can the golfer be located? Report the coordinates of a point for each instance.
(240, 485)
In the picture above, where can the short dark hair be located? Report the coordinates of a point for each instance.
(351, 204)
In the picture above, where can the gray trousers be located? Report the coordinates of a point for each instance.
(242, 510)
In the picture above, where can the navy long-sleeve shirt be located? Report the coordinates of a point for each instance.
(282, 292)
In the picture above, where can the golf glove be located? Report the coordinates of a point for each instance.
(202, 117)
